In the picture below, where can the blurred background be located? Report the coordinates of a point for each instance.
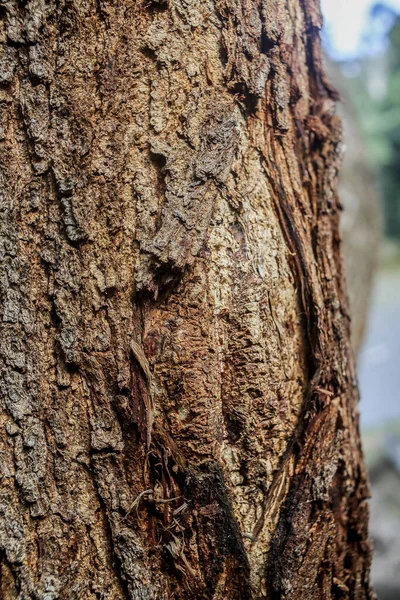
(362, 49)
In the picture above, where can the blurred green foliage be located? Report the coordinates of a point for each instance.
(374, 85)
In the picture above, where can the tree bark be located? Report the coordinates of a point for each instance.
(178, 397)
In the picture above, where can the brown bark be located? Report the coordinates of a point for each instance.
(177, 386)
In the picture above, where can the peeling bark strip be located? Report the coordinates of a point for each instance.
(178, 399)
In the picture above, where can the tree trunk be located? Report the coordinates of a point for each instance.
(177, 386)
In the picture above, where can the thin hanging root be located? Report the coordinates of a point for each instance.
(175, 524)
(180, 508)
(176, 549)
(324, 392)
(149, 402)
(165, 500)
(136, 502)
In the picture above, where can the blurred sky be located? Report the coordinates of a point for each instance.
(346, 25)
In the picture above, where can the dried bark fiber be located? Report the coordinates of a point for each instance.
(178, 398)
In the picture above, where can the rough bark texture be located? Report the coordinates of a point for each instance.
(178, 398)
